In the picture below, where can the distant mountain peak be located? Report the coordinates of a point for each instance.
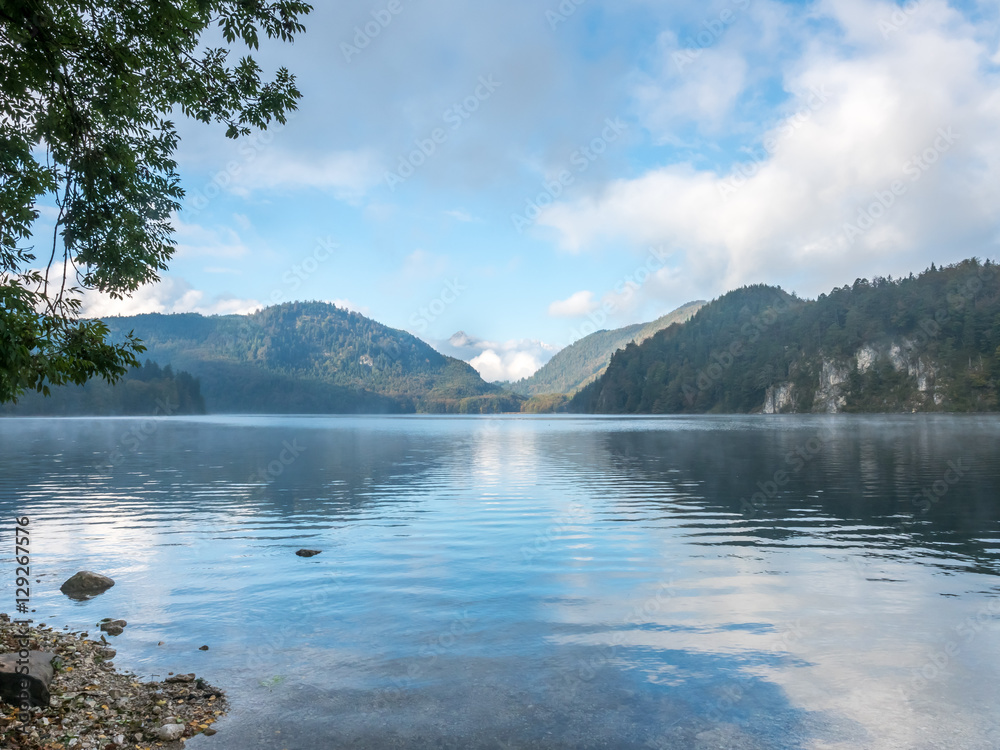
(461, 339)
(585, 360)
(311, 357)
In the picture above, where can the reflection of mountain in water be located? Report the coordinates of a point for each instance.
(853, 482)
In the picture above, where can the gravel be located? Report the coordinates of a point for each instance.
(94, 706)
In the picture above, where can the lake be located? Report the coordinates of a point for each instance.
(534, 582)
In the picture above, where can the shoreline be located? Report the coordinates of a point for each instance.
(96, 706)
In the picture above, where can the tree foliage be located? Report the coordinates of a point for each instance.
(147, 390)
(585, 360)
(943, 325)
(313, 357)
(87, 92)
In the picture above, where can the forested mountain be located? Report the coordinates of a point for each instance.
(312, 357)
(147, 390)
(585, 360)
(926, 343)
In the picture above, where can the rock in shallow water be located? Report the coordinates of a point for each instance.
(308, 552)
(85, 584)
(117, 627)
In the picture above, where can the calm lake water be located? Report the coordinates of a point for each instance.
(710, 582)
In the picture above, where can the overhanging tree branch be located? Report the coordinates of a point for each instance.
(89, 84)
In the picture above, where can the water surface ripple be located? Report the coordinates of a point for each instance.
(683, 582)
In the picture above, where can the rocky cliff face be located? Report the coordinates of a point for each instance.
(833, 388)
(830, 396)
(779, 399)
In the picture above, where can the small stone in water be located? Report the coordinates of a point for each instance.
(203, 648)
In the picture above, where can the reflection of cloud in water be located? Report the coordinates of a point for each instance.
(615, 591)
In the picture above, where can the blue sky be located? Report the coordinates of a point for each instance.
(526, 172)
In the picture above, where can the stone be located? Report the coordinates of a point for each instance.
(38, 678)
(203, 648)
(177, 678)
(85, 584)
(308, 552)
(170, 732)
(107, 654)
(209, 732)
(110, 625)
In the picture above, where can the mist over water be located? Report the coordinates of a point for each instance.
(738, 582)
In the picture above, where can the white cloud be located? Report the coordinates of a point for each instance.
(460, 216)
(886, 101)
(489, 365)
(195, 240)
(349, 175)
(421, 264)
(509, 365)
(169, 295)
(664, 290)
(509, 360)
(577, 304)
(703, 90)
